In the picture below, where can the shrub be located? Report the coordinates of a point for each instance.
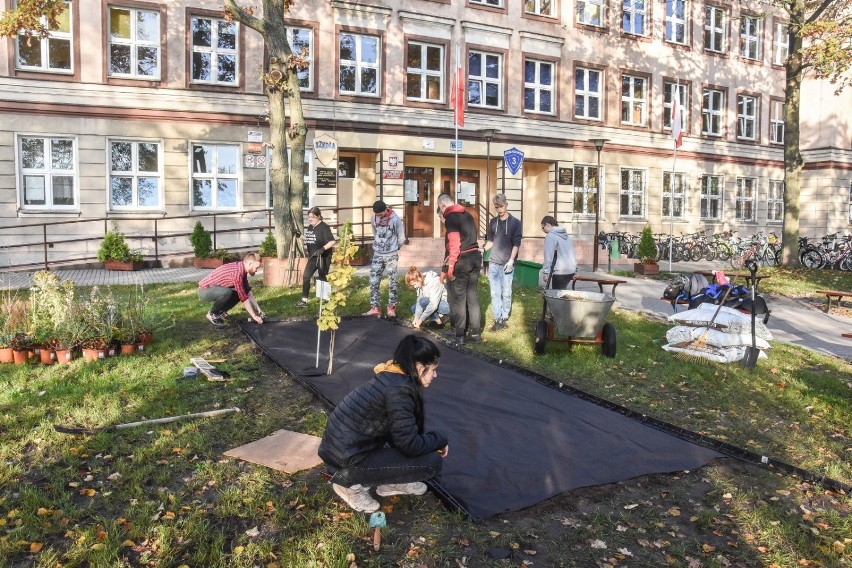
(646, 251)
(202, 244)
(268, 246)
(224, 254)
(114, 247)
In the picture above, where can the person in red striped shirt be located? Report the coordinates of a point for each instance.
(228, 285)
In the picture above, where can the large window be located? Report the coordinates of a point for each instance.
(634, 100)
(712, 112)
(775, 202)
(711, 197)
(48, 172)
(634, 13)
(747, 117)
(776, 122)
(591, 12)
(588, 85)
(683, 94)
(359, 64)
(746, 198)
(715, 29)
(134, 43)
(214, 51)
(585, 189)
(425, 72)
(539, 86)
(780, 44)
(51, 53)
(750, 31)
(674, 195)
(539, 7)
(632, 194)
(135, 176)
(302, 44)
(676, 22)
(215, 176)
(485, 80)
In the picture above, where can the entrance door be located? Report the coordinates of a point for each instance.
(468, 190)
(419, 202)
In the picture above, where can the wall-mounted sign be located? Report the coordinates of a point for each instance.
(566, 176)
(392, 174)
(260, 161)
(254, 148)
(248, 160)
(325, 148)
(254, 136)
(327, 177)
(455, 145)
(514, 159)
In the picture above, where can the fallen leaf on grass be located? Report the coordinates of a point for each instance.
(625, 552)
(707, 548)
(632, 506)
(253, 532)
(674, 511)
(88, 492)
(36, 546)
(597, 543)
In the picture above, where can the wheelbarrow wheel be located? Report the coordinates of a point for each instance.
(609, 341)
(540, 337)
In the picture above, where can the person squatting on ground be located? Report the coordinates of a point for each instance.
(318, 244)
(558, 242)
(375, 437)
(462, 267)
(431, 301)
(503, 239)
(229, 284)
(388, 237)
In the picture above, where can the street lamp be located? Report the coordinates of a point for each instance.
(599, 144)
(488, 134)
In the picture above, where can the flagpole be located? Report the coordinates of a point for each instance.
(672, 178)
(456, 123)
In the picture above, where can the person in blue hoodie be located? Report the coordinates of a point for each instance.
(503, 239)
(558, 242)
(388, 237)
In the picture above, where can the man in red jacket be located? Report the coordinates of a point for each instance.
(228, 285)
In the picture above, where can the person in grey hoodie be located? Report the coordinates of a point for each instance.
(388, 237)
(558, 242)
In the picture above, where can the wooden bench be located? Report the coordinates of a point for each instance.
(834, 294)
(747, 277)
(846, 335)
(601, 282)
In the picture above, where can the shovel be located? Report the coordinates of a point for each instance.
(377, 523)
(751, 354)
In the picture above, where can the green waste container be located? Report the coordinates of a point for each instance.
(526, 273)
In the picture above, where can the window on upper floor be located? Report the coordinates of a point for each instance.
(683, 94)
(136, 174)
(492, 3)
(302, 44)
(676, 22)
(746, 198)
(214, 51)
(539, 86)
(51, 53)
(776, 122)
(588, 93)
(134, 43)
(48, 172)
(485, 79)
(775, 202)
(674, 195)
(591, 12)
(585, 189)
(215, 176)
(633, 193)
(539, 7)
(713, 112)
(634, 14)
(425, 72)
(634, 100)
(780, 43)
(712, 189)
(751, 29)
(715, 29)
(359, 64)
(747, 106)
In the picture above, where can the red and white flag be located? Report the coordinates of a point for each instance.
(677, 119)
(457, 94)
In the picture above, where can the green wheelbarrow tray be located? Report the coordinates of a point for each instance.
(578, 314)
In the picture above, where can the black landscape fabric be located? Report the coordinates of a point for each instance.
(512, 441)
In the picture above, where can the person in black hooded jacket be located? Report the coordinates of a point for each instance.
(375, 436)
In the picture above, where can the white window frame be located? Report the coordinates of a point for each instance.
(49, 172)
(538, 89)
(683, 93)
(55, 35)
(775, 202)
(134, 44)
(134, 173)
(632, 104)
(309, 178)
(587, 95)
(539, 8)
(424, 75)
(489, 3)
(751, 30)
(633, 177)
(214, 52)
(676, 25)
(634, 17)
(591, 13)
(584, 191)
(361, 66)
(303, 38)
(776, 121)
(712, 193)
(712, 111)
(715, 32)
(482, 82)
(214, 176)
(780, 44)
(746, 199)
(677, 197)
(747, 116)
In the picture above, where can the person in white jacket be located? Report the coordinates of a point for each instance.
(431, 297)
(558, 242)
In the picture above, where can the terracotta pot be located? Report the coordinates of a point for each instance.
(20, 356)
(146, 338)
(275, 271)
(47, 356)
(646, 269)
(6, 355)
(94, 354)
(64, 356)
(207, 262)
(121, 265)
(128, 348)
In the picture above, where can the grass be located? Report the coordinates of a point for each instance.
(166, 496)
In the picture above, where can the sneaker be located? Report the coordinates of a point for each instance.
(358, 497)
(474, 338)
(223, 316)
(214, 319)
(374, 311)
(416, 488)
(391, 311)
(301, 304)
(498, 325)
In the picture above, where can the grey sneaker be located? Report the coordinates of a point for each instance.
(498, 325)
(416, 488)
(358, 497)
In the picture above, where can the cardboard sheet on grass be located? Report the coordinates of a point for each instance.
(282, 450)
(513, 441)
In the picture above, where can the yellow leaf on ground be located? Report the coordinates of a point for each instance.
(707, 548)
(35, 546)
(128, 543)
(42, 512)
(98, 546)
(674, 511)
(169, 515)
(238, 550)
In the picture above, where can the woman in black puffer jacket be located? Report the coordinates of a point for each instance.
(375, 436)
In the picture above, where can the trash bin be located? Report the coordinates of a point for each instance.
(526, 273)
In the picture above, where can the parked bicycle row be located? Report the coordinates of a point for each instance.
(831, 251)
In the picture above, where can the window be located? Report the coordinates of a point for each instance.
(585, 189)
(711, 198)
(485, 79)
(746, 198)
(539, 7)
(590, 12)
(776, 122)
(712, 110)
(750, 30)
(674, 195)
(781, 44)
(683, 95)
(492, 3)
(775, 203)
(538, 86)
(633, 17)
(215, 176)
(425, 74)
(634, 103)
(48, 172)
(632, 193)
(302, 44)
(134, 43)
(676, 28)
(714, 29)
(746, 117)
(51, 53)
(135, 175)
(214, 51)
(587, 94)
(359, 64)
(850, 201)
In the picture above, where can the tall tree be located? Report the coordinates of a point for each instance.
(820, 41)
(33, 17)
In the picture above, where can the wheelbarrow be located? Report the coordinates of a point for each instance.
(578, 317)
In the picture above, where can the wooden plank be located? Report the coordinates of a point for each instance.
(208, 370)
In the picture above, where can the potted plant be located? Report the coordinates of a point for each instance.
(202, 248)
(646, 252)
(115, 253)
(8, 306)
(69, 333)
(101, 318)
(362, 256)
(268, 247)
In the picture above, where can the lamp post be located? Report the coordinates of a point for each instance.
(599, 144)
(488, 134)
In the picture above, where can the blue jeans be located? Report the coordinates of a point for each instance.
(388, 465)
(442, 309)
(501, 291)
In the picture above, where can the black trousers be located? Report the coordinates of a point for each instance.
(463, 294)
(561, 281)
(314, 264)
(223, 298)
